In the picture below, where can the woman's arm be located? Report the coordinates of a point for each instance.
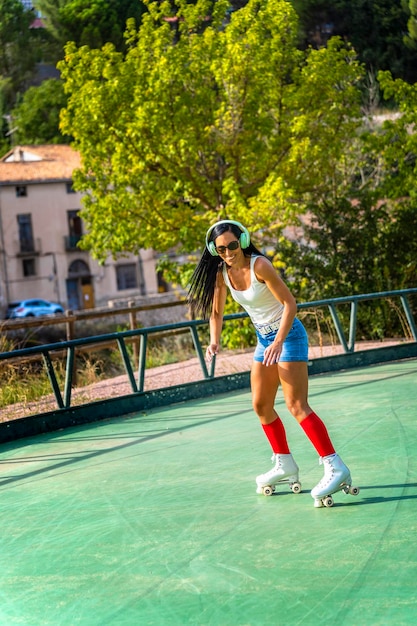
(216, 317)
(265, 272)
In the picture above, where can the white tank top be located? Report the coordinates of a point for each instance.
(260, 304)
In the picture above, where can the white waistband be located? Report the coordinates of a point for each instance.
(265, 329)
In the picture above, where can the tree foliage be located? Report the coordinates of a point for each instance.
(17, 55)
(397, 141)
(375, 28)
(50, 10)
(214, 122)
(360, 231)
(411, 38)
(36, 117)
(89, 22)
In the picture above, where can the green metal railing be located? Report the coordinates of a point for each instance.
(349, 345)
(122, 338)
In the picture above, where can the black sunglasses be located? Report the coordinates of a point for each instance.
(233, 245)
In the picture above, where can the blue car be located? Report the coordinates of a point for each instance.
(32, 308)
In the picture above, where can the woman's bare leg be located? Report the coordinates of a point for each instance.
(264, 384)
(294, 382)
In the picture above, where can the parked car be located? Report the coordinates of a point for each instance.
(32, 308)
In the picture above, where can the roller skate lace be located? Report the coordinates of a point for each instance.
(283, 467)
(329, 473)
(335, 473)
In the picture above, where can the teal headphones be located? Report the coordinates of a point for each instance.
(244, 239)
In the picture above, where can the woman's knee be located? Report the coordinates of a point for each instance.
(261, 405)
(297, 407)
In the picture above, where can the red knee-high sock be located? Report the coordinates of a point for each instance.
(316, 431)
(276, 436)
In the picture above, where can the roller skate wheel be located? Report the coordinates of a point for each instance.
(354, 491)
(268, 490)
(328, 501)
(296, 487)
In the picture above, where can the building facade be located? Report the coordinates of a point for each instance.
(40, 228)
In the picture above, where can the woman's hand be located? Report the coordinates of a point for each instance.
(272, 353)
(212, 349)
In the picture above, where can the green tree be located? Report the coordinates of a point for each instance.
(50, 44)
(397, 140)
(228, 121)
(17, 55)
(411, 38)
(36, 117)
(89, 22)
(50, 10)
(359, 233)
(375, 28)
(397, 146)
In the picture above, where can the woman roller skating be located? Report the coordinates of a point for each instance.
(231, 262)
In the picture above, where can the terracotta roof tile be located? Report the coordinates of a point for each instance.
(30, 164)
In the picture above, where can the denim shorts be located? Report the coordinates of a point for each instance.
(294, 348)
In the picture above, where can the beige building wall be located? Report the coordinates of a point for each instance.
(54, 268)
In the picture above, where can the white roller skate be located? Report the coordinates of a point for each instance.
(336, 478)
(285, 470)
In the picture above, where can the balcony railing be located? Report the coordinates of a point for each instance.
(29, 246)
(71, 243)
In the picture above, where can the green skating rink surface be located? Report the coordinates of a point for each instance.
(153, 518)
